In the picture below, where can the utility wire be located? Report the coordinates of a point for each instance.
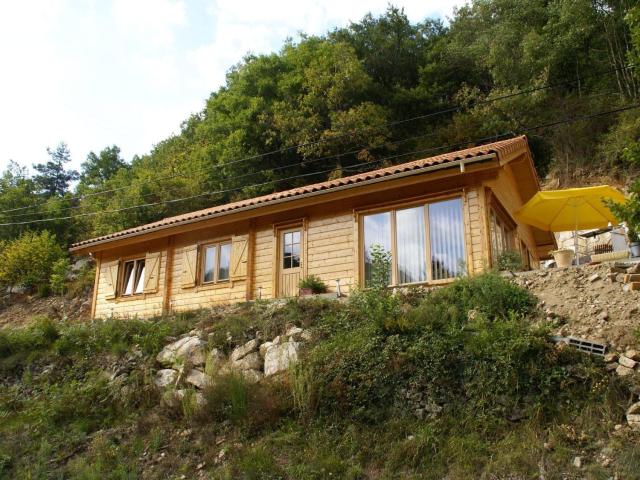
(281, 167)
(422, 151)
(337, 137)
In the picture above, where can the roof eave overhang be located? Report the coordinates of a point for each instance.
(459, 163)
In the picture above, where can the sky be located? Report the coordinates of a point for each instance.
(95, 73)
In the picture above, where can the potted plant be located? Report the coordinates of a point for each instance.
(563, 257)
(311, 284)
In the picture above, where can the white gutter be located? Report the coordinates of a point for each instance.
(418, 171)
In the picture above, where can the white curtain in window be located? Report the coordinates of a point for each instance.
(411, 245)
(377, 231)
(446, 239)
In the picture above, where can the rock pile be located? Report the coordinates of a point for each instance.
(588, 302)
(187, 363)
(623, 364)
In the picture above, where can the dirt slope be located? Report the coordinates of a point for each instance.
(24, 308)
(587, 302)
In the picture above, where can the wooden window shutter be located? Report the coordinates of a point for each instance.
(151, 272)
(189, 266)
(239, 256)
(111, 279)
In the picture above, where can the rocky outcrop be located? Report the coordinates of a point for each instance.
(165, 378)
(279, 357)
(198, 379)
(193, 367)
(244, 350)
(633, 416)
(189, 349)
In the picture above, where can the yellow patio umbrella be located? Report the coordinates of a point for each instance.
(571, 209)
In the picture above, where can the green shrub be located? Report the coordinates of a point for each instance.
(509, 260)
(254, 406)
(313, 282)
(38, 336)
(58, 277)
(28, 261)
(467, 346)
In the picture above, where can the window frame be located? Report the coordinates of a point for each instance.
(423, 202)
(121, 277)
(217, 244)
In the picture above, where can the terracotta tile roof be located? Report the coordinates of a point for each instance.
(501, 148)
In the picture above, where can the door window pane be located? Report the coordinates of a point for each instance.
(446, 237)
(225, 260)
(209, 263)
(291, 249)
(411, 245)
(377, 231)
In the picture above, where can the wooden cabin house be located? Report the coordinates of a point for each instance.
(440, 217)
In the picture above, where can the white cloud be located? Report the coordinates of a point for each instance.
(96, 73)
(153, 20)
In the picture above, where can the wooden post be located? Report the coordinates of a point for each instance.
(96, 282)
(250, 260)
(168, 277)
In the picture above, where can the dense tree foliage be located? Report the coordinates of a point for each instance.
(327, 106)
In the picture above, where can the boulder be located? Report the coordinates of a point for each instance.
(632, 354)
(264, 347)
(626, 361)
(279, 357)
(294, 333)
(624, 371)
(198, 379)
(165, 378)
(252, 361)
(633, 415)
(246, 349)
(252, 376)
(188, 349)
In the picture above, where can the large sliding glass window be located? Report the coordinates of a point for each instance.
(446, 237)
(404, 233)
(411, 245)
(377, 231)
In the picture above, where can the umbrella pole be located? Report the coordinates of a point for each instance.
(575, 239)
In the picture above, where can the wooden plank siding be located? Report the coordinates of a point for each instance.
(332, 238)
(331, 252)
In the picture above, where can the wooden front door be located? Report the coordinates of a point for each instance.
(289, 261)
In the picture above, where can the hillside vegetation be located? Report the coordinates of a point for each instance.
(331, 105)
(457, 383)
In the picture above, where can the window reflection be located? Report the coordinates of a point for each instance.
(377, 231)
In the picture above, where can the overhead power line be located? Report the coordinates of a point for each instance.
(422, 151)
(337, 137)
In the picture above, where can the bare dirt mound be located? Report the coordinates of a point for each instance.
(587, 302)
(24, 308)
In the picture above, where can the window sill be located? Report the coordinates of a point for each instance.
(216, 286)
(129, 298)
